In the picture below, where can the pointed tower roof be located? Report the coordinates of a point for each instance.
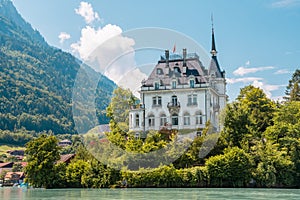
(214, 64)
(213, 44)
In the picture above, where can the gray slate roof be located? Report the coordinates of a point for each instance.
(176, 70)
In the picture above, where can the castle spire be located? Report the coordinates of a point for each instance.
(213, 44)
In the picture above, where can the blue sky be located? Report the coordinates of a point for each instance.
(258, 41)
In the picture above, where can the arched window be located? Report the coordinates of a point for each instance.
(174, 100)
(186, 119)
(175, 119)
(199, 117)
(163, 119)
(151, 120)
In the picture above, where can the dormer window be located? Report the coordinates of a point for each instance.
(156, 85)
(159, 71)
(192, 83)
(174, 83)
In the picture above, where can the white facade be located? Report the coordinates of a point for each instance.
(180, 93)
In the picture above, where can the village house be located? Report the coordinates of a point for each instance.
(64, 143)
(12, 178)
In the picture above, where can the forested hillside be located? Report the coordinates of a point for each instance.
(36, 80)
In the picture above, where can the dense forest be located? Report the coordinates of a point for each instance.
(259, 146)
(36, 80)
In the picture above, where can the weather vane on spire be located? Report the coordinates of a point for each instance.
(212, 20)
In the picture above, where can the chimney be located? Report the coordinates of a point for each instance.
(184, 57)
(167, 57)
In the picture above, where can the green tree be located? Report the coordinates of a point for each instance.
(247, 118)
(42, 153)
(293, 89)
(17, 167)
(285, 133)
(118, 110)
(231, 169)
(275, 167)
(99, 175)
(75, 171)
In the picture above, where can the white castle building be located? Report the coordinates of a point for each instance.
(181, 93)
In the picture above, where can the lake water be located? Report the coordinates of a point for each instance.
(149, 193)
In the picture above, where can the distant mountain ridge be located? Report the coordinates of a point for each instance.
(8, 11)
(36, 80)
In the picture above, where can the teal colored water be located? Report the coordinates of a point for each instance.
(149, 193)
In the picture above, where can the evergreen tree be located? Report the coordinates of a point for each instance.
(293, 89)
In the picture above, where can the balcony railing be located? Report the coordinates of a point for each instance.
(138, 106)
(173, 107)
(173, 104)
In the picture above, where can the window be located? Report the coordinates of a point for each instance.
(192, 99)
(174, 100)
(159, 101)
(186, 119)
(174, 84)
(163, 120)
(156, 101)
(151, 120)
(192, 83)
(199, 117)
(176, 69)
(159, 71)
(174, 119)
(137, 120)
(156, 86)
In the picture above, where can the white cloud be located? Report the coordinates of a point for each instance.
(285, 3)
(63, 36)
(243, 80)
(266, 87)
(107, 51)
(87, 12)
(133, 84)
(92, 38)
(282, 71)
(241, 71)
(247, 63)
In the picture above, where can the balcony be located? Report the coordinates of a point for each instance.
(137, 107)
(173, 107)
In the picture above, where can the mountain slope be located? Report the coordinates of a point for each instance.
(36, 80)
(8, 11)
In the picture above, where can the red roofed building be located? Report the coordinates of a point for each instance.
(13, 177)
(7, 166)
(66, 158)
